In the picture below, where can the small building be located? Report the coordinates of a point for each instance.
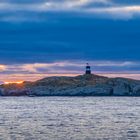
(88, 69)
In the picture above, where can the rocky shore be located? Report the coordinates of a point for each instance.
(83, 85)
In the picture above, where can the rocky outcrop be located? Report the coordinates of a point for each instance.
(13, 90)
(75, 91)
(136, 90)
(83, 85)
(123, 86)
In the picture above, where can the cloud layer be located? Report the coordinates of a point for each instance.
(67, 68)
(52, 37)
(27, 11)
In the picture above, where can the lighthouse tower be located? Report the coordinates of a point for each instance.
(88, 70)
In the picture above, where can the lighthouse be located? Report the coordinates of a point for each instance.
(88, 70)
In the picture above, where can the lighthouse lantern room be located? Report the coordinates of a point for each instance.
(88, 69)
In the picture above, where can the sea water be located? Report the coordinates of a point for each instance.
(69, 118)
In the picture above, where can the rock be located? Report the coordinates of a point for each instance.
(1, 91)
(136, 90)
(77, 91)
(121, 87)
(14, 92)
(83, 85)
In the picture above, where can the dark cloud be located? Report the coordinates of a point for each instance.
(29, 36)
(74, 38)
(126, 2)
(22, 1)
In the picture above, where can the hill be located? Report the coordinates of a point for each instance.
(82, 85)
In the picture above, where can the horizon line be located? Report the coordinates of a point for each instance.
(134, 76)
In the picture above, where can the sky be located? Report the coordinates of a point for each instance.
(40, 38)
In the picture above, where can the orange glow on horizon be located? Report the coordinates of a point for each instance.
(18, 82)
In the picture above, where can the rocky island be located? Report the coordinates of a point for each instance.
(82, 85)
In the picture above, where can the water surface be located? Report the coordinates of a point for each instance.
(69, 118)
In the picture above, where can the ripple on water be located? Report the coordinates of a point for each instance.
(70, 118)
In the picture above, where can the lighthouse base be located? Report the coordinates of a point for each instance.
(88, 72)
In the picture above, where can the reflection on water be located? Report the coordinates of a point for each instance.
(69, 118)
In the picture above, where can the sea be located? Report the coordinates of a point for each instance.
(69, 118)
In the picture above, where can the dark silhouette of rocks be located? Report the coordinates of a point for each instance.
(83, 85)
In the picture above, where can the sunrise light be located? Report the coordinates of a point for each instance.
(18, 82)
